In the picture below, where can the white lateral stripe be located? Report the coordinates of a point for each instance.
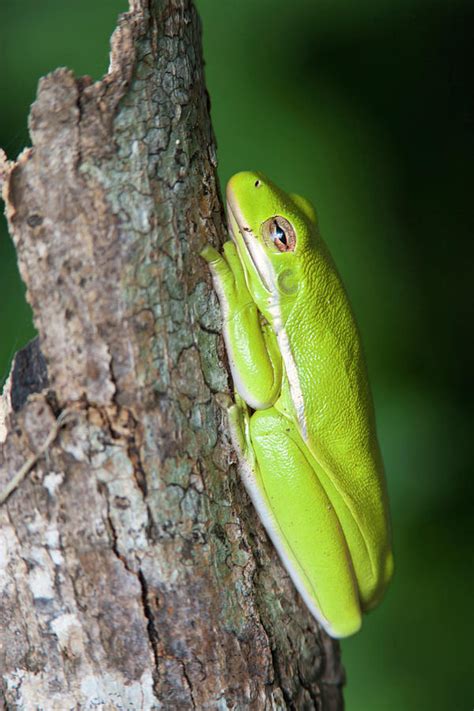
(290, 368)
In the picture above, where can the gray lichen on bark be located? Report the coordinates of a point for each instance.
(134, 571)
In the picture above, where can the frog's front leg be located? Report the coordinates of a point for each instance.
(251, 345)
(291, 501)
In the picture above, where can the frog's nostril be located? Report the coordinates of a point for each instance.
(257, 183)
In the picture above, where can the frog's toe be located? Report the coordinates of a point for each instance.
(239, 423)
(241, 404)
(210, 254)
(237, 428)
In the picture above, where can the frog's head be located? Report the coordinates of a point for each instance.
(273, 233)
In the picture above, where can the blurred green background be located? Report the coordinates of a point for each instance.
(365, 108)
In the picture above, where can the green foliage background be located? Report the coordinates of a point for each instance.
(363, 107)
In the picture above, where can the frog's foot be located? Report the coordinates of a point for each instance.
(229, 277)
(239, 423)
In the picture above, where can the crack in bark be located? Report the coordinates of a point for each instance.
(188, 681)
(151, 629)
(103, 490)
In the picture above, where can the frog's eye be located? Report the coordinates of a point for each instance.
(278, 231)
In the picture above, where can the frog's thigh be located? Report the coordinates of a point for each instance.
(302, 523)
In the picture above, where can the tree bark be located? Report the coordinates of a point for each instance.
(134, 571)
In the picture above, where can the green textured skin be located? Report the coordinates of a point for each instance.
(312, 463)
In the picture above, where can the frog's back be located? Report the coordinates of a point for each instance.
(338, 423)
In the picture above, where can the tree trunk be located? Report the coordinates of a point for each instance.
(134, 571)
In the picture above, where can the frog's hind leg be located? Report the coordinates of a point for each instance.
(300, 520)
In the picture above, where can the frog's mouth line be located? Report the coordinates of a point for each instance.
(253, 249)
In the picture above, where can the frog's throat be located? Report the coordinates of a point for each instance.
(263, 268)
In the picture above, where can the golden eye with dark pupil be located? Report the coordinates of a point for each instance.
(278, 232)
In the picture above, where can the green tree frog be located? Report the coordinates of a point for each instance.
(303, 421)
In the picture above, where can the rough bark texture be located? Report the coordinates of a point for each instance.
(134, 571)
